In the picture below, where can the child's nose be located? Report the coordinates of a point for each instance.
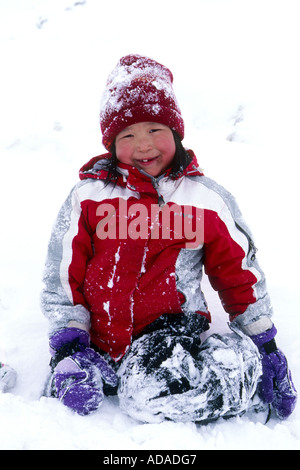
(144, 144)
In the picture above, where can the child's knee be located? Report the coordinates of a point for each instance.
(219, 379)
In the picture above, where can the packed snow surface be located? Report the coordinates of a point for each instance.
(236, 78)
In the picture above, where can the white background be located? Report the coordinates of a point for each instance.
(236, 77)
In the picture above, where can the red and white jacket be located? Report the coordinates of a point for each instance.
(124, 253)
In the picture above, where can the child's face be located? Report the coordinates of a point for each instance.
(147, 146)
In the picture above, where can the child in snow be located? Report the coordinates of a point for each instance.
(8, 377)
(123, 274)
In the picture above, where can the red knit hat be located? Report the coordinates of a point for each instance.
(139, 89)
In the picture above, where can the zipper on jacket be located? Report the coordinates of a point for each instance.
(155, 182)
(160, 201)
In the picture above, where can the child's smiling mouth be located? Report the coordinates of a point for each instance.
(147, 161)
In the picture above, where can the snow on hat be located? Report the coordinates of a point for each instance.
(139, 89)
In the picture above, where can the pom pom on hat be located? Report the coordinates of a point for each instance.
(139, 89)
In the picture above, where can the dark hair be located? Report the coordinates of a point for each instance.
(180, 161)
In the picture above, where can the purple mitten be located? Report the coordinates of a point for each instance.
(79, 372)
(276, 383)
(67, 341)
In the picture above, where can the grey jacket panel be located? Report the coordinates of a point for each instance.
(56, 303)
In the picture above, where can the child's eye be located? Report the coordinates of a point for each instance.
(127, 136)
(154, 130)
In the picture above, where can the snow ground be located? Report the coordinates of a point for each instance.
(236, 79)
